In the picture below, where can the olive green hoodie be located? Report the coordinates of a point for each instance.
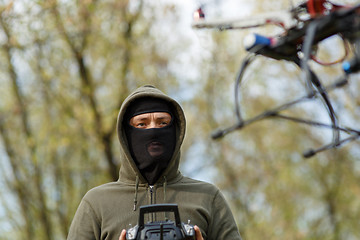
(107, 209)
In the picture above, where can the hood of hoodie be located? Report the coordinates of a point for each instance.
(128, 170)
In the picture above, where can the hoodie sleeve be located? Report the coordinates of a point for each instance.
(222, 225)
(85, 224)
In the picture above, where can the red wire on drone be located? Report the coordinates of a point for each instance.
(316, 7)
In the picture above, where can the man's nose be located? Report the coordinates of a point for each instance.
(152, 124)
(155, 124)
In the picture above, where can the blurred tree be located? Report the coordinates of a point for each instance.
(66, 68)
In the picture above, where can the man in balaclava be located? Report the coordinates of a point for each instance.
(151, 128)
(150, 131)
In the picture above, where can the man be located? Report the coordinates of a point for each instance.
(151, 129)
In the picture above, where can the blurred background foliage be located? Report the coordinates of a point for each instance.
(66, 66)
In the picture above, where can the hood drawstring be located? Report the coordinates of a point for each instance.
(136, 192)
(164, 186)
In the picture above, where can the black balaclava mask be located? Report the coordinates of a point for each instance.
(141, 141)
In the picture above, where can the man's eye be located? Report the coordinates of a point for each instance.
(140, 125)
(164, 123)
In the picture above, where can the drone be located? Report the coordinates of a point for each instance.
(304, 26)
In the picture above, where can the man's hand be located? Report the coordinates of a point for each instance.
(123, 235)
(198, 234)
